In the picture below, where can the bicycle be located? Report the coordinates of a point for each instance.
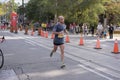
(1, 59)
(1, 54)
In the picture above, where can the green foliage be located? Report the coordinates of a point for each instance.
(80, 11)
(1, 10)
(113, 12)
(38, 10)
(88, 11)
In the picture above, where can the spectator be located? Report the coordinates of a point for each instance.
(105, 33)
(85, 29)
(77, 29)
(111, 29)
(74, 26)
(99, 30)
(92, 30)
(71, 28)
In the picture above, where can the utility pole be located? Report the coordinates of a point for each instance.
(56, 4)
(105, 21)
(23, 3)
(23, 11)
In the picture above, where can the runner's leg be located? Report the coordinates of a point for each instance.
(54, 50)
(62, 52)
(62, 55)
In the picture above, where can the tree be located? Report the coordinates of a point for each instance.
(80, 11)
(43, 9)
(1, 10)
(113, 12)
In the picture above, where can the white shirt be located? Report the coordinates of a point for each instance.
(99, 27)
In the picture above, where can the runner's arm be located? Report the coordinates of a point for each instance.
(66, 32)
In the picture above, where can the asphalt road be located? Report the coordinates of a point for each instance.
(27, 58)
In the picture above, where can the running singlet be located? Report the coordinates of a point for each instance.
(59, 39)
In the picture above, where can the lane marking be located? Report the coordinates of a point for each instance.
(93, 71)
(32, 42)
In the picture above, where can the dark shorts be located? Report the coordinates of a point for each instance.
(57, 44)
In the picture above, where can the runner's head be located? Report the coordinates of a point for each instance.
(61, 19)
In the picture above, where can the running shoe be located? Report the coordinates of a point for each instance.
(63, 65)
(51, 54)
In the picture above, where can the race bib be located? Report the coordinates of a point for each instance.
(60, 35)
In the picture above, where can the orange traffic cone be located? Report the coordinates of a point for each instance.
(67, 39)
(41, 33)
(98, 45)
(116, 49)
(52, 36)
(46, 34)
(81, 41)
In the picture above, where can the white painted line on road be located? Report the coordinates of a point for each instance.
(30, 43)
(22, 37)
(93, 71)
(37, 43)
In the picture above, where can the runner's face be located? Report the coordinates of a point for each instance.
(61, 20)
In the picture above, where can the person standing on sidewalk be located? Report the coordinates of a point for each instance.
(111, 30)
(92, 30)
(99, 30)
(59, 30)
